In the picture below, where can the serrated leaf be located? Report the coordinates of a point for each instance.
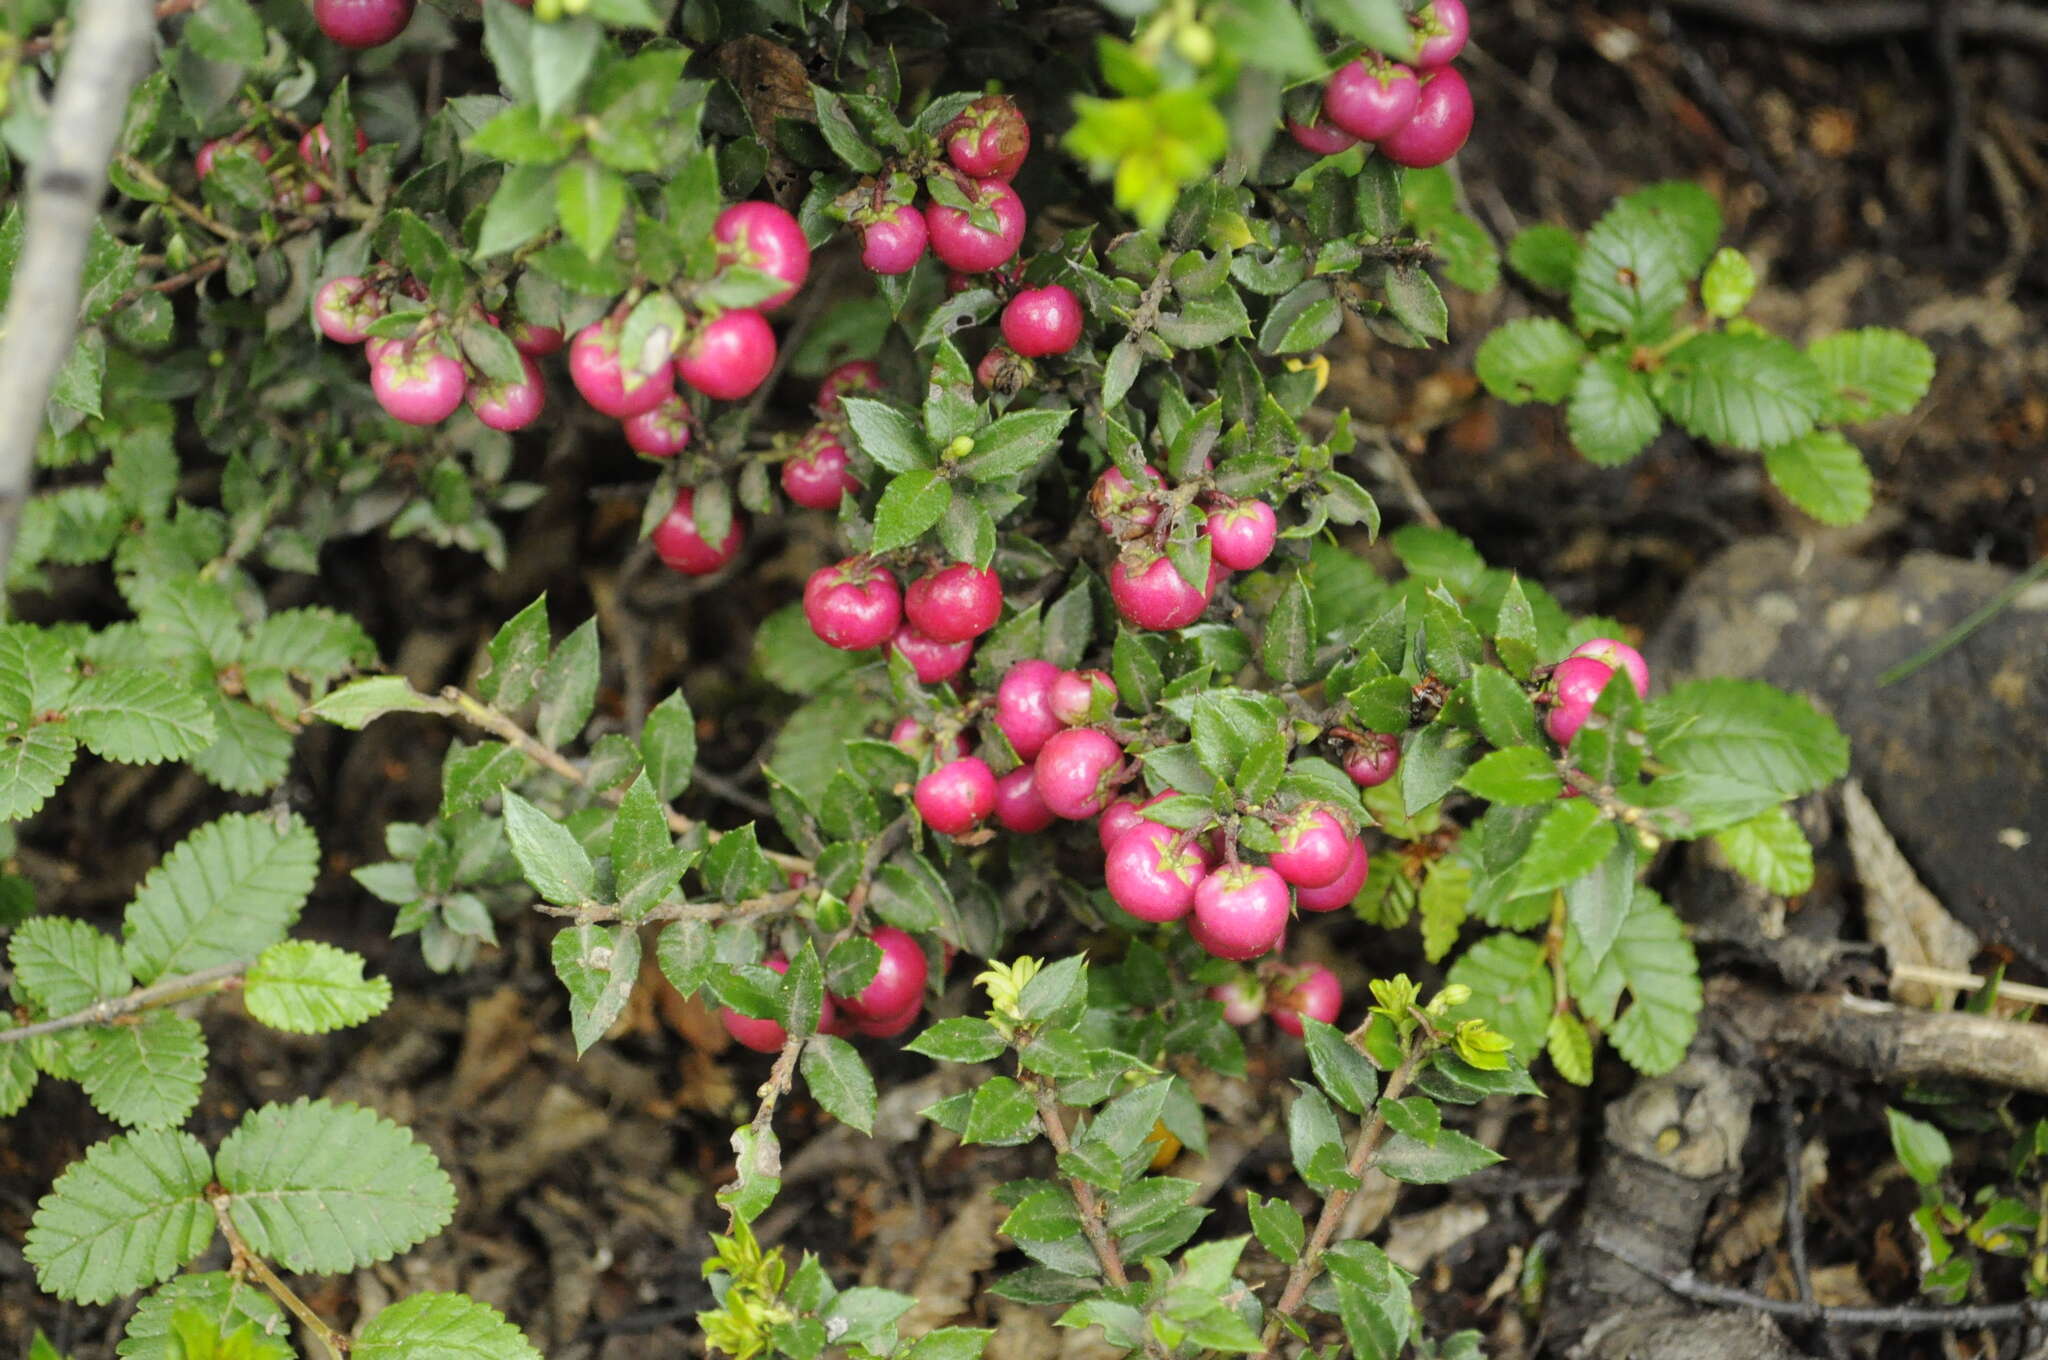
(226, 892)
(1749, 732)
(568, 687)
(668, 745)
(518, 651)
(1380, 24)
(306, 987)
(910, 505)
(598, 964)
(1506, 715)
(1452, 1157)
(1530, 359)
(433, 1326)
(1570, 840)
(548, 853)
(1570, 1049)
(146, 1074)
(1824, 475)
(1519, 775)
(1744, 389)
(1728, 284)
(139, 716)
(360, 702)
(1770, 851)
(325, 1187)
(224, 1301)
(1611, 416)
(1340, 1069)
(1872, 372)
(1015, 443)
(1278, 1225)
(18, 1073)
(1442, 906)
(1511, 988)
(32, 764)
(129, 1214)
(1654, 962)
(251, 750)
(1547, 256)
(887, 434)
(1288, 648)
(839, 1081)
(1630, 275)
(589, 201)
(63, 965)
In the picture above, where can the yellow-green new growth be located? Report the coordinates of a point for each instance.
(751, 1308)
(1005, 984)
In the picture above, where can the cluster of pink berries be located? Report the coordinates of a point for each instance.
(362, 23)
(1287, 995)
(1415, 115)
(295, 180)
(888, 1005)
(1146, 586)
(1577, 681)
(856, 605)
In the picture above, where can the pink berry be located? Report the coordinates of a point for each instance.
(1155, 596)
(1443, 26)
(854, 605)
(1023, 709)
(362, 23)
(899, 979)
(344, 308)
(889, 1026)
(1371, 101)
(1442, 121)
(913, 736)
(1575, 687)
(1312, 992)
(1243, 1000)
(1073, 694)
(1116, 819)
(932, 661)
(853, 376)
(207, 154)
(315, 146)
(770, 240)
(1241, 536)
(989, 139)
(955, 604)
(1341, 893)
(820, 473)
(1018, 806)
(678, 543)
(1152, 877)
(1315, 848)
(1042, 321)
(1114, 496)
(956, 797)
(417, 385)
(894, 240)
(1618, 655)
(1322, 137)
(1075, 768)
(535, 342)
(1240, 911)
(663, 431)
(768, 1036)
(730, 356)
(510, 406)
(960, 244)
(1373, 762)
(605, 380)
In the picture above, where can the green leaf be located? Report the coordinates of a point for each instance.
(1750, 732)
(549, 855)
(840, 133)
(231, 34)
(1547, 256)
(1372, 1301)
(1511, 987)
(1452, 1157)
(63, 965)
(839, 1081)
(1746, 390)
(668, 745)
(139, 716)
(1380, 24)
(1288, 648)
(1268, 34)
(1770, 851)
(323, 1187)
(1506, 715)
(1570, 1048)
(1432, 759)
(563, 53)
(1315, 1141)
(32, 764)
(1871, 372)
(129, 1214)
(911, 504)
(1920, 1147)
(598, 964)
(568, 687)
(887, 434)
(1443, 906)
(1278, 1225)
(433, 1326)
(963, 1039)
(251, 752)
(306, 987)
(146, 1074)
(1303, 320)
(18, 1073)
(1001, 1112)
(518, 652)
(589, 200)
(951, 1343)
(522, 207)
(1630, 277)
(1728, 284)
(1015, 443)
(1415, 301)
(1570, 840)
(1687, 212)
(1654, 961)
(1611, 416)
(228, 891)
(1530, 359)
(1519, 775)
(360, 702)
(1341, 1070)
(225, 1302)
(1824, 475)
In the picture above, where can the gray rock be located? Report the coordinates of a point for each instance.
(1955, 756)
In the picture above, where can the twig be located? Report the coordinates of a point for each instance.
(1978, 617)
(147, 176)
(110, 49)
(248, 1262)
(165, 993)
(591, 913)
(1392, 464)
(1968, 982)
(1836, 23)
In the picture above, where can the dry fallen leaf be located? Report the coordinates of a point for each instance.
(1903, 916)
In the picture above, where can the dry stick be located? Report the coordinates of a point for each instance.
(110, 49)
(1968, 982)
(164, 993)
(246, 1260)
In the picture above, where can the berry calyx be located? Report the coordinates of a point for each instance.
(344, 308)
(1156, 596)
(1618, 655)
(662, 432)
(956, 797)
(769, 239)
(1002, 369)
(1373, 761)
(820, 472)
(960, 244)
(1023, 707)
(1241, 536)
(1331, 896)
(1152, 872)
(679, 544)
(1076, 768)
(362, 23)
(1322, 137)
(898, 983)
(1243, 1001)
(1312, 992)
(893, 240)
(1116, 497)
(955, 604)
(607, 382)
(1042, 321)
(932, 661)
(1371, 100)
(510, 406)
(1575, 687)
(990, 138)
(417, 384)
(1442, 122)
(729, 356)
(853, 605)
(1315, 847)
(1018, 805)
(1443, 26)
(1072, 695)
(1240, 911)
(850, 378)
(913, 736)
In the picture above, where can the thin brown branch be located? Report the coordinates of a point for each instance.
(597, 912)
(247, 1262)
(1093, 1220)
(165, 993)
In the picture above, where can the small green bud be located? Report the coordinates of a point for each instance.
(1728, 284)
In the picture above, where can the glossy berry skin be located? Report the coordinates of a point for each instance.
(1240, 911)
(1042, 321)
(1575, 687)
(889, 1026)
(678, 544)
(417, 386)
(1018, 806)
(932, 661)
(1119, 817)
(1340, 893)
(956, 797)
(955, 604)
(849, 379)
(1243, 1001)
(1241, 536)
(990, 139)
(603, 380)
(768, 1036)
(535, 342)
(961, 245)
(820, 473)
(1322, 137)
(1312, 992)
(1371, 101)
(362, 23)
(1073, 694)
(1618, 655)
(344, 309)
(1117, 496)
(854, 605)
(510, 406)
(1315, 848)
(911, 735)
(1155, 596)
(1444, 28)
(768, 238)
(662, 432)
(894, 241)
(1074, 771)
(1442, 122)
(898, 983)
(1151, 878)
(729, 356)
(1374, 762)
(1023, 707)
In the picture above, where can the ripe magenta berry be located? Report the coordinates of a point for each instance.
(1116, 819)
(1443, 26)
(1373, 761)
(1371, 100)
(1322, 137)
(677, 542)
(1241, 536)
(1618, 655)
(1312, 991)
(960, 244)
(1575, 687)
(893, 241)
(1243, 1000)
(956, 797)
(849, 379)
(854, 605)
(1018, 806)
(510, 406)
(769, 239)
(729, 356)
(889, 1026)
(1442, 121)
(1114, 496)
(1315, 847)
(1023, 707)
(1073, 693)
(1075, 769)
(1150, 876)
(535, 342)
(315, 146)
(955, 604)
(1042, 321)
(819, 473)
(362, 23)
(1340, 893)
(898, 983)
(768, 1036)
(989, 139)
(417, 384)
(1155, 596)
(662, 432)
(344, 309)
(913, 736)
(607, 382)
(932, 661)
(1240, 911)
